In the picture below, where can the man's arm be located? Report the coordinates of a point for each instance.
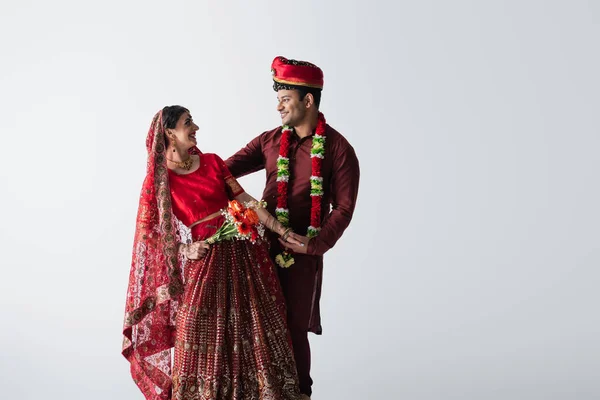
(247, 160)
(344, 191)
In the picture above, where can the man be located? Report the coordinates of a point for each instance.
(310, 167)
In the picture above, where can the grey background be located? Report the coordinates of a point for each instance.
(470, 270)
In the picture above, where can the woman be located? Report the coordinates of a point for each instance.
(225, 315)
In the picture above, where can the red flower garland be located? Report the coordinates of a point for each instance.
(282, 184)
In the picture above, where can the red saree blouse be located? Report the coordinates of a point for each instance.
(202, 192)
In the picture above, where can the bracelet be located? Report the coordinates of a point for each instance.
(286, 233)
(270, 222)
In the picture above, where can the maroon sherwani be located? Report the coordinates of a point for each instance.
(301, 283)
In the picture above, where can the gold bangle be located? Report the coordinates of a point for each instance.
(286, 233)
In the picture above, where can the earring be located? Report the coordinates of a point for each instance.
(173, 143)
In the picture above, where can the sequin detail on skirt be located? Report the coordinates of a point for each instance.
(232, 340)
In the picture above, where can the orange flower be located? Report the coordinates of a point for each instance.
(236, 206)
(251, 217)
(244, 228)
(235, 209)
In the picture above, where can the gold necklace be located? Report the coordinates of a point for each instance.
(186, 164)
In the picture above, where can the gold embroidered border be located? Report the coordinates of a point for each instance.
(233, 184)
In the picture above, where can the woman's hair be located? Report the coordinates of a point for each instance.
(170, 116)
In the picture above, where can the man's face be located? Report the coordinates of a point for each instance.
(290, 107)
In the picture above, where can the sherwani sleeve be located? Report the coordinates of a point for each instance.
(249, 159)
(344, 191)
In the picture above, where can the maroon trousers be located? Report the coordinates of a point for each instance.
(301, 286)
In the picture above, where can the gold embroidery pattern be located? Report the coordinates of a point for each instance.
(231, 340)
(234, 186)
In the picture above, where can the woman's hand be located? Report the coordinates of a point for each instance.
(195, 250)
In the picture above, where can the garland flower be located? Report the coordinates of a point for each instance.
(317, 154)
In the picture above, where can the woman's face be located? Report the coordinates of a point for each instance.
(184, 132)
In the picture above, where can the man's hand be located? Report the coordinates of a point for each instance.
(295, 243)
(195, 251)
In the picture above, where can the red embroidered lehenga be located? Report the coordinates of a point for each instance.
(224, 314)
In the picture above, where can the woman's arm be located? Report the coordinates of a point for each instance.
(269, 221)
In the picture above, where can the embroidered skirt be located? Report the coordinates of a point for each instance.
(231, 340)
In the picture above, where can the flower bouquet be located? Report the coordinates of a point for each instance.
(241, 223)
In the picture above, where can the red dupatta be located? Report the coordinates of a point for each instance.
(155, 280)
